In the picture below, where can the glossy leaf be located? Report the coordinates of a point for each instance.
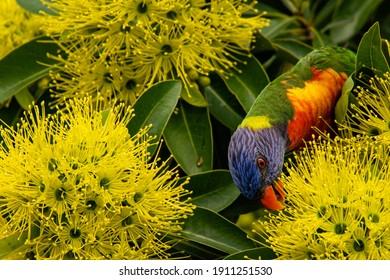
(223, 105)
(25, 65)
(214, 190)
(209, 228)
(291, 50)
(247, 85)
(155, 107)
(370, 53)
(105, 115)
(193, 96)
(342, 104)
(35, 6)
(350, 17)
(24, 98)
(277, 26)
(196, 250)
(241, 205)
(262, 253)
(188, 137)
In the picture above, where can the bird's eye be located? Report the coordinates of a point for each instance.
(261, 163)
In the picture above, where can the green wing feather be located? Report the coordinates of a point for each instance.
(273, 101)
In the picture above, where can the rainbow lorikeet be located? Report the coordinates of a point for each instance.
(282, 116)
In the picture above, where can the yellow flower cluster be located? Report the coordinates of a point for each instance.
(81, 187)
(338, 204)
(372, 115)
(119, 48)
(17, 26)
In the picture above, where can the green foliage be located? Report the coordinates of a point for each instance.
(12, 243)
(209, 228)
(224, 107)
(370, 54)
(349, 17)
(255, 253)
(371, 59)
(194, 125)
(34, 6)
(344, 101)
(193, 96)
(213, 190)
(245, 86)
(154, 108)
(188, 137)
(10, 246)
(25, 65)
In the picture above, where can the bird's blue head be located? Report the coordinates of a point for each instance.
(256, 160)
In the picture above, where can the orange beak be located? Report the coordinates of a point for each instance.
(273, 198)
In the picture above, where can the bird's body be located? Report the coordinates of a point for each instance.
(282, 116)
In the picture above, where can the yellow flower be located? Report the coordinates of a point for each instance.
(372, 115)
(87, 73)
(82, 187)
(156, 39)
(17, 26)
(380, 247)
(359, 245)
(337, 204)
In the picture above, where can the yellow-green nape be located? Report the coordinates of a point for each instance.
(256, 122)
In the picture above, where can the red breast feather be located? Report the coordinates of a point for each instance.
(314, 104)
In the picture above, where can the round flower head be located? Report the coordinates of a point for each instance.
(82, 187)
(337, 205)
(17, 26)
(156, 39)
(372, 113)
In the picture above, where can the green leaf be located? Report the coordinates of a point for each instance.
(12, 243)
(24, 98)
(322, 11)
(270, 6)
(350, 17)
(320, 39)
(291, 50)
(25, 65)
(342, 104)
(241, 205)
(209, 228)
(262, 253)
(155, 107)
(105, 115)
(193, 96)
(214, 190)
(189, 138)
(247, 85)
(370, 53)
(277, 26)
(35, 6)
(195, 250)
(223, 105)
(262, 44)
